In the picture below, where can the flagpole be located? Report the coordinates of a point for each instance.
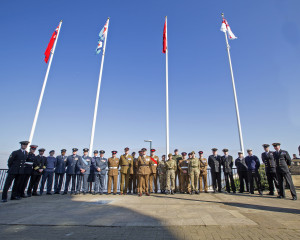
(98, 93)
(167, 93)
(234, 93)
(43, 88)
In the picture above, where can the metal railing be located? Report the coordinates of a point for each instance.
(3, 174)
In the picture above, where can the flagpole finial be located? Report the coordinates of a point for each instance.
(108, 18)
(60, 20)
(222, 15)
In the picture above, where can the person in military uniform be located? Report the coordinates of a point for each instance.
(171, 167)
(71, 171)
(48, 173)
(253, 165)
(183, 166)
(203, 173)
(132, 178)
(214, 161)
(60, 170)
(84, 165)
(16, 165)
(113, 171)
(92, 175)
(27, 170)
(270, 168)
(137, 174)
(153, 175)
(227, 163)
(177, 157)
(283, 162)
(161, 171)
(100, 171)
(144, 170)
(242, 170)
(39, 165)
(194, 172)
(125, 164)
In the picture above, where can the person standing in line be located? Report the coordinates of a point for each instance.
(194, 167)
(242, 171)
(214, 161)
(203, 173)
(48, 173)
(113, 171)
(100, 172)
(171, 167)
(60, 171)
(153, 175)
(161, 171)
(227, 163)
(84, 166)
(253, 165)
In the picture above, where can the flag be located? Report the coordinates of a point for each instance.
(165, 38)
(50, 44)
(225, 28)
(102, 35)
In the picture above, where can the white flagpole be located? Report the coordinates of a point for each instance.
(98, 93)
(167, 94)
(44, 86)
(234, 93)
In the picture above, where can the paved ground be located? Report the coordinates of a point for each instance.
(204, 216)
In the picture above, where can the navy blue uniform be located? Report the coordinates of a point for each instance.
(71, 172)
(27, 172)
(215, 165)
(283, 161)
(48, 175)
(60, 170)
(253, 165)
(270, 169)
(39, 163)
(16, 164)
(100, 175)
(227, 163)
(242, 170)
(84, 163)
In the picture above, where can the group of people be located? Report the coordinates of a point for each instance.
(140, 174)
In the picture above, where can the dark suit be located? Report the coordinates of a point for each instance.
(215, 167)
(283, 161)
(60, 170)
(27, 172)
(242, 170)
(71, 172)
(270, 169)
(16, 164)
(39, 162)
(227, 163)
(253, 165)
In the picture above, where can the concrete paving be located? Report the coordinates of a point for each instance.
(179, 216)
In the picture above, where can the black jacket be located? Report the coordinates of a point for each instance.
(29, 163)
(241, 165)
(39, 162)
(215, 163)
(283, 161)
(269, 161)
(16, 162)
(227, 163)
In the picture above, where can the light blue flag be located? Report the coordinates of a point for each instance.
(102, 35)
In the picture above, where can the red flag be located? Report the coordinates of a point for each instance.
(165, 38)
(50, 45)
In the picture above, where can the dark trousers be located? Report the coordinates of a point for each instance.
(68, 179)
(132, 183)
(16, 187)
(99, 183)
(288, 179)
(272, 179)
(229, 177)
(24, 181)
(59, 177)
(216, 181)
(243, 177)
(47, 175)
(254, 176)
(34, 183)
(82, 180)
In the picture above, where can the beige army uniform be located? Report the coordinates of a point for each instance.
(203, 174)
(125, 164)
(183, 167)
(153, 175)
(113, 171)
(177, 172)
(194, 172)
(171, 167)
(161, 170)
(144, 170)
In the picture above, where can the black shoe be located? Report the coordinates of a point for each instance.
(56, 193)
(197, 192)
(48, 193)
(4, 200)
(279, 197)
(240, 191)
(35, 194)
(193, 192)
(294, 198)
(260, 193)
(28, 194)
(167, 193)
(214, 191)
(234, 192)
(115, 194)
(101, 193)
(271, 193)
(172, 192)
(23, 196)
(15, 198)
(84, 193)
(64, 193)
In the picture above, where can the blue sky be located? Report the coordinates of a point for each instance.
(265, 57)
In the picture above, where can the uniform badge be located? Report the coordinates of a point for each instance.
(102, 160)
(76, 158)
